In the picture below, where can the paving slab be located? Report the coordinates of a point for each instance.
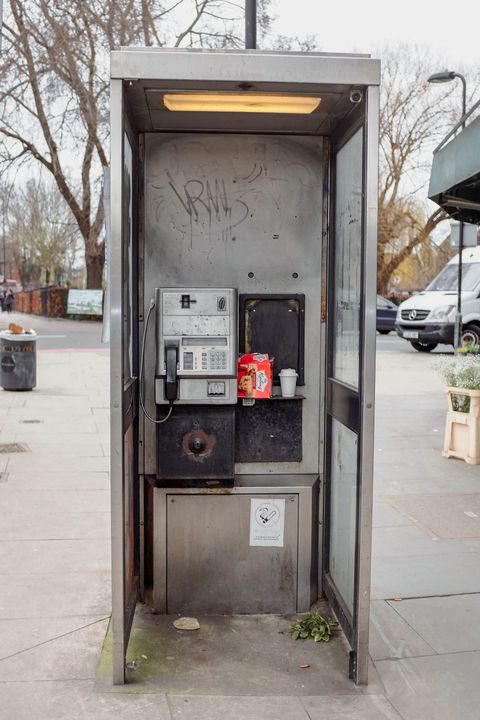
(56, 403)
(76, 700)
(70, 445)
(412, 540)
(49, 429)
(425, 575)
(13, 500)
(28, 524)
(448, 624)
(60, 462)
(448, 516)
(391, 636)
(21, 417)
(11, 399)
(60, 595)
(411, 445)
(236, 708)
(399, 480)
(406, 466)
(439, 687)
(100, 412)
(384, 515)
(55, 480)
(51, 556)
(26, 633)
(365, 707)
(74, 655)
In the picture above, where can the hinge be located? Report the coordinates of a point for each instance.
(352, 664)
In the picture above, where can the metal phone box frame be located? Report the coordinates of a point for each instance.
(263, 205)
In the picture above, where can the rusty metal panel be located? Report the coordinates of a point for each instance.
(197, 443)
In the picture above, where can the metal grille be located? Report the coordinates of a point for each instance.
(13, 448)
(417, 314)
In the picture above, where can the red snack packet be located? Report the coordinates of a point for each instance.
(254, 376)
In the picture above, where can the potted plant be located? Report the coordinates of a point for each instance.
(462, 431)
(469, 349)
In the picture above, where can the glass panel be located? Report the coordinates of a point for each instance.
(343, 503)
(348, 246)
(447, 279)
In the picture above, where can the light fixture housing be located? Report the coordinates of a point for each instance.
(442, 77)
(240, 102)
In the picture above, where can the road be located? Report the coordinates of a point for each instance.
(63, 334)
(59, 333)
(392, 343)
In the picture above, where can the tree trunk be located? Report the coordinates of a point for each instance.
(95, 261)
(382, 284)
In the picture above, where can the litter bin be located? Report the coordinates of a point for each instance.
(18, 360)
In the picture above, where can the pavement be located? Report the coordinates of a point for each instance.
(55, 561)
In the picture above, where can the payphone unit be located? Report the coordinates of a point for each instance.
(196, 346)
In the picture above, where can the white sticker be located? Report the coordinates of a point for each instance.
(267, 522)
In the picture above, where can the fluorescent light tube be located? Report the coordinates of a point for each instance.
(240, 102)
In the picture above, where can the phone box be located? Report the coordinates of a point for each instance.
(255, 375)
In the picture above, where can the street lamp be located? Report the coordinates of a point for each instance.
(250, 24)
(442, 77)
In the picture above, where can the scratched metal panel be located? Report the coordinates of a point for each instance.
(241, 211)
(213, 569)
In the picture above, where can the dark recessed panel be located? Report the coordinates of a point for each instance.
(269, 431)
(274, 324)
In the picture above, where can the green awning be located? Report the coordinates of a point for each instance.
(455, 175)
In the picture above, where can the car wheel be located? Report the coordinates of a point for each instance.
(470, 335)
(423, 347)
(383, 332)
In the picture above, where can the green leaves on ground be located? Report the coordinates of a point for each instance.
(314, 625)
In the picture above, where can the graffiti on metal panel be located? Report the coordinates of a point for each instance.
(206, 207)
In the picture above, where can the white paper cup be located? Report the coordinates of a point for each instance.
(288, 381)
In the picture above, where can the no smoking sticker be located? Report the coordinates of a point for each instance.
(267, 522)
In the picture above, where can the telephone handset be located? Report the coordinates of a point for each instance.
(171, 380)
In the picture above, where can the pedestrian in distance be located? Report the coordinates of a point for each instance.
(8, 301)
(2, 298)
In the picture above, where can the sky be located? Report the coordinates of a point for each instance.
(372, 24)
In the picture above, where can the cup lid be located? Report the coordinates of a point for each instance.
(288, 371)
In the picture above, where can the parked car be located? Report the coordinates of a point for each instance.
(386, 314)
(428, 318)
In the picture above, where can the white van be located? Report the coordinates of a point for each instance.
(428, 318)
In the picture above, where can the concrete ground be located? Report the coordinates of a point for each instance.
(55, 565)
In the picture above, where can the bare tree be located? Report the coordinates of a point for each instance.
(54, 98)
(42, 233)
(414, 116)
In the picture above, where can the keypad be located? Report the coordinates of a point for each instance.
(218, 360)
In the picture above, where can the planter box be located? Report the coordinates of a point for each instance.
(462, 431)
